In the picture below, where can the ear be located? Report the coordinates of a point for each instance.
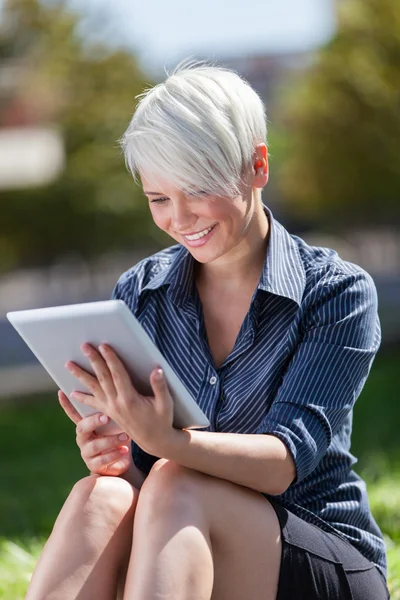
(260, 166)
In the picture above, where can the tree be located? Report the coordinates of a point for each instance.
(342, 165)
(88, 93)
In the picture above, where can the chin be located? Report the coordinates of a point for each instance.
(207, 256)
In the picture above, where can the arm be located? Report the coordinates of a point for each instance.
(340, 338)
(260, 462)
(320, 386)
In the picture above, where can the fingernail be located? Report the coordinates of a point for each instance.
(123, 437)
(159, 374)
(104, 418)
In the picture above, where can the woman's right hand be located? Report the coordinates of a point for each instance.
(102, 454)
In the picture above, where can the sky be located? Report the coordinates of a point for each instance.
(162, 32)
(165, 31)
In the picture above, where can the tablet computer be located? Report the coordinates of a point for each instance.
(55, 335)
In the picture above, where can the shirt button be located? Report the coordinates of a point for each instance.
(213, 380)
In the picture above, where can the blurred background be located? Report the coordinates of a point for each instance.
(72, 219)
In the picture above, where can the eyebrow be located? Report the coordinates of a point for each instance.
(153, 193)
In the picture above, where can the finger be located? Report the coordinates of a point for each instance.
(101, 370)
(88, 399)
(106, 443)
(105, 459)
(159, 384)
(121, 379)
(88, 380)
(87, 426)
(69, 409)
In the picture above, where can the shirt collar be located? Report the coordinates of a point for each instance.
(178, 276)
(283, 271)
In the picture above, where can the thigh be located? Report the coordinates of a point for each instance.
(316, 564)
(241, 524)
(245, 538)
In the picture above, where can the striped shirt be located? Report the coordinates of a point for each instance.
(300, 361)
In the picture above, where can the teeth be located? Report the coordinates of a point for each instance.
(197, 236)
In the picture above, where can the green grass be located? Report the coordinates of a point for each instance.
(40, 462)
(17, 561)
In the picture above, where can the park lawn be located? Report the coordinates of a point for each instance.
(18, 559)
(40, 463)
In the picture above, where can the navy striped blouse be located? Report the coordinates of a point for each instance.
(299, 363)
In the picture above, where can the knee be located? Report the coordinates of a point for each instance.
(169, 484)
(105, 500)
(168, 474)
(112, 493)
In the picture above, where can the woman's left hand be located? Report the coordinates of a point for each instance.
(146, 419)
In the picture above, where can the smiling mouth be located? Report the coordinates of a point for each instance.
(199, 235)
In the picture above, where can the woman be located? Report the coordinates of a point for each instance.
(275, 340)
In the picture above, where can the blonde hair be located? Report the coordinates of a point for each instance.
(197, 129)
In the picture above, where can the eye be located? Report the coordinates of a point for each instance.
(159, 200)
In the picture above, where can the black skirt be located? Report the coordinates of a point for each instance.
(317, 565)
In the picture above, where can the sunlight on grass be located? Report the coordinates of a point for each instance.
(384, 497)
(394, 570)
(17, 561)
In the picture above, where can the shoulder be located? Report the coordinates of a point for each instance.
(132, 282)
(340, 301)
(328, 275)
(146, 269)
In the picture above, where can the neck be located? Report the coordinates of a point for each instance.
(245, 261)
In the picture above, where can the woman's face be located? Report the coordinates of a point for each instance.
(208, 226)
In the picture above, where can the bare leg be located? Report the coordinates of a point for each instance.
(89, 544)
(171, 554)
(197, 537)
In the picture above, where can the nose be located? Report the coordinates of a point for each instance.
(182, 217)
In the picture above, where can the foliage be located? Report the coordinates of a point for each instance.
(342, 123)
(375, 414)
(87, 92)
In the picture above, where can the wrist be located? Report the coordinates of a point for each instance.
(169, 446)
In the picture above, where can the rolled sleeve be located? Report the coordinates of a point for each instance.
(341, 335)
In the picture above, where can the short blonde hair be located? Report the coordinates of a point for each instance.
(198, 129)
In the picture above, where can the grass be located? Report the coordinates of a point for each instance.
(17, 561)
(40, 462)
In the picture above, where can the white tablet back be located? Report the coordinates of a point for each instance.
(55, 335)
